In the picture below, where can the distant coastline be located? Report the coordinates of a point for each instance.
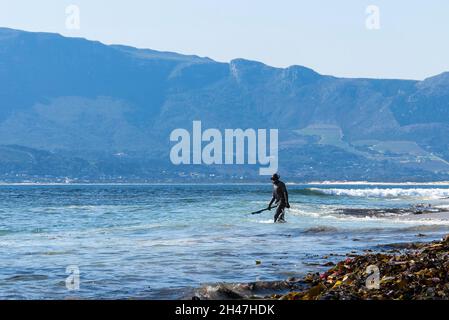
(443, 183)
(312, 183)
(92, 129)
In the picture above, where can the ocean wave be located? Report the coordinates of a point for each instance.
(372, 215)
(320, 229)
(310, 192)
(427, 227)
(368, 212)
(421, 193)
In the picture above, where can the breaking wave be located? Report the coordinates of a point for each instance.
(430, 193)
(310, 192)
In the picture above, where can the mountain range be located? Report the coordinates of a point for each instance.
(78, 110)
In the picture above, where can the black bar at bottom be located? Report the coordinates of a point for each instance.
(228, 309)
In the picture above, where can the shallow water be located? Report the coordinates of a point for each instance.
(157, 241)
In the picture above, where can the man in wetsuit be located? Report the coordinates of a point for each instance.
(280, 195)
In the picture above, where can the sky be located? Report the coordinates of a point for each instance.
(403, 39)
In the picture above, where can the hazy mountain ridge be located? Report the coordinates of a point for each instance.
(111, 109)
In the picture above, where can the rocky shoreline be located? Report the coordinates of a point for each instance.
(414, 271)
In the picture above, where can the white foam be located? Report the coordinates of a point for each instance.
(379, 183)
(265, 221)
(419, 193)
(427, 219)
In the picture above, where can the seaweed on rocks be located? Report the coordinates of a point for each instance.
(420, 272)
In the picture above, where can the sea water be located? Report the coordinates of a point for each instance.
(159, 241)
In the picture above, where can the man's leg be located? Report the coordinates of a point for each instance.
(279, 212)
(281, 218)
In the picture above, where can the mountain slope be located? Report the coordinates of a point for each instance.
(111, 109)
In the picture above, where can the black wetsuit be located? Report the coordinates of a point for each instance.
(280, 195)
